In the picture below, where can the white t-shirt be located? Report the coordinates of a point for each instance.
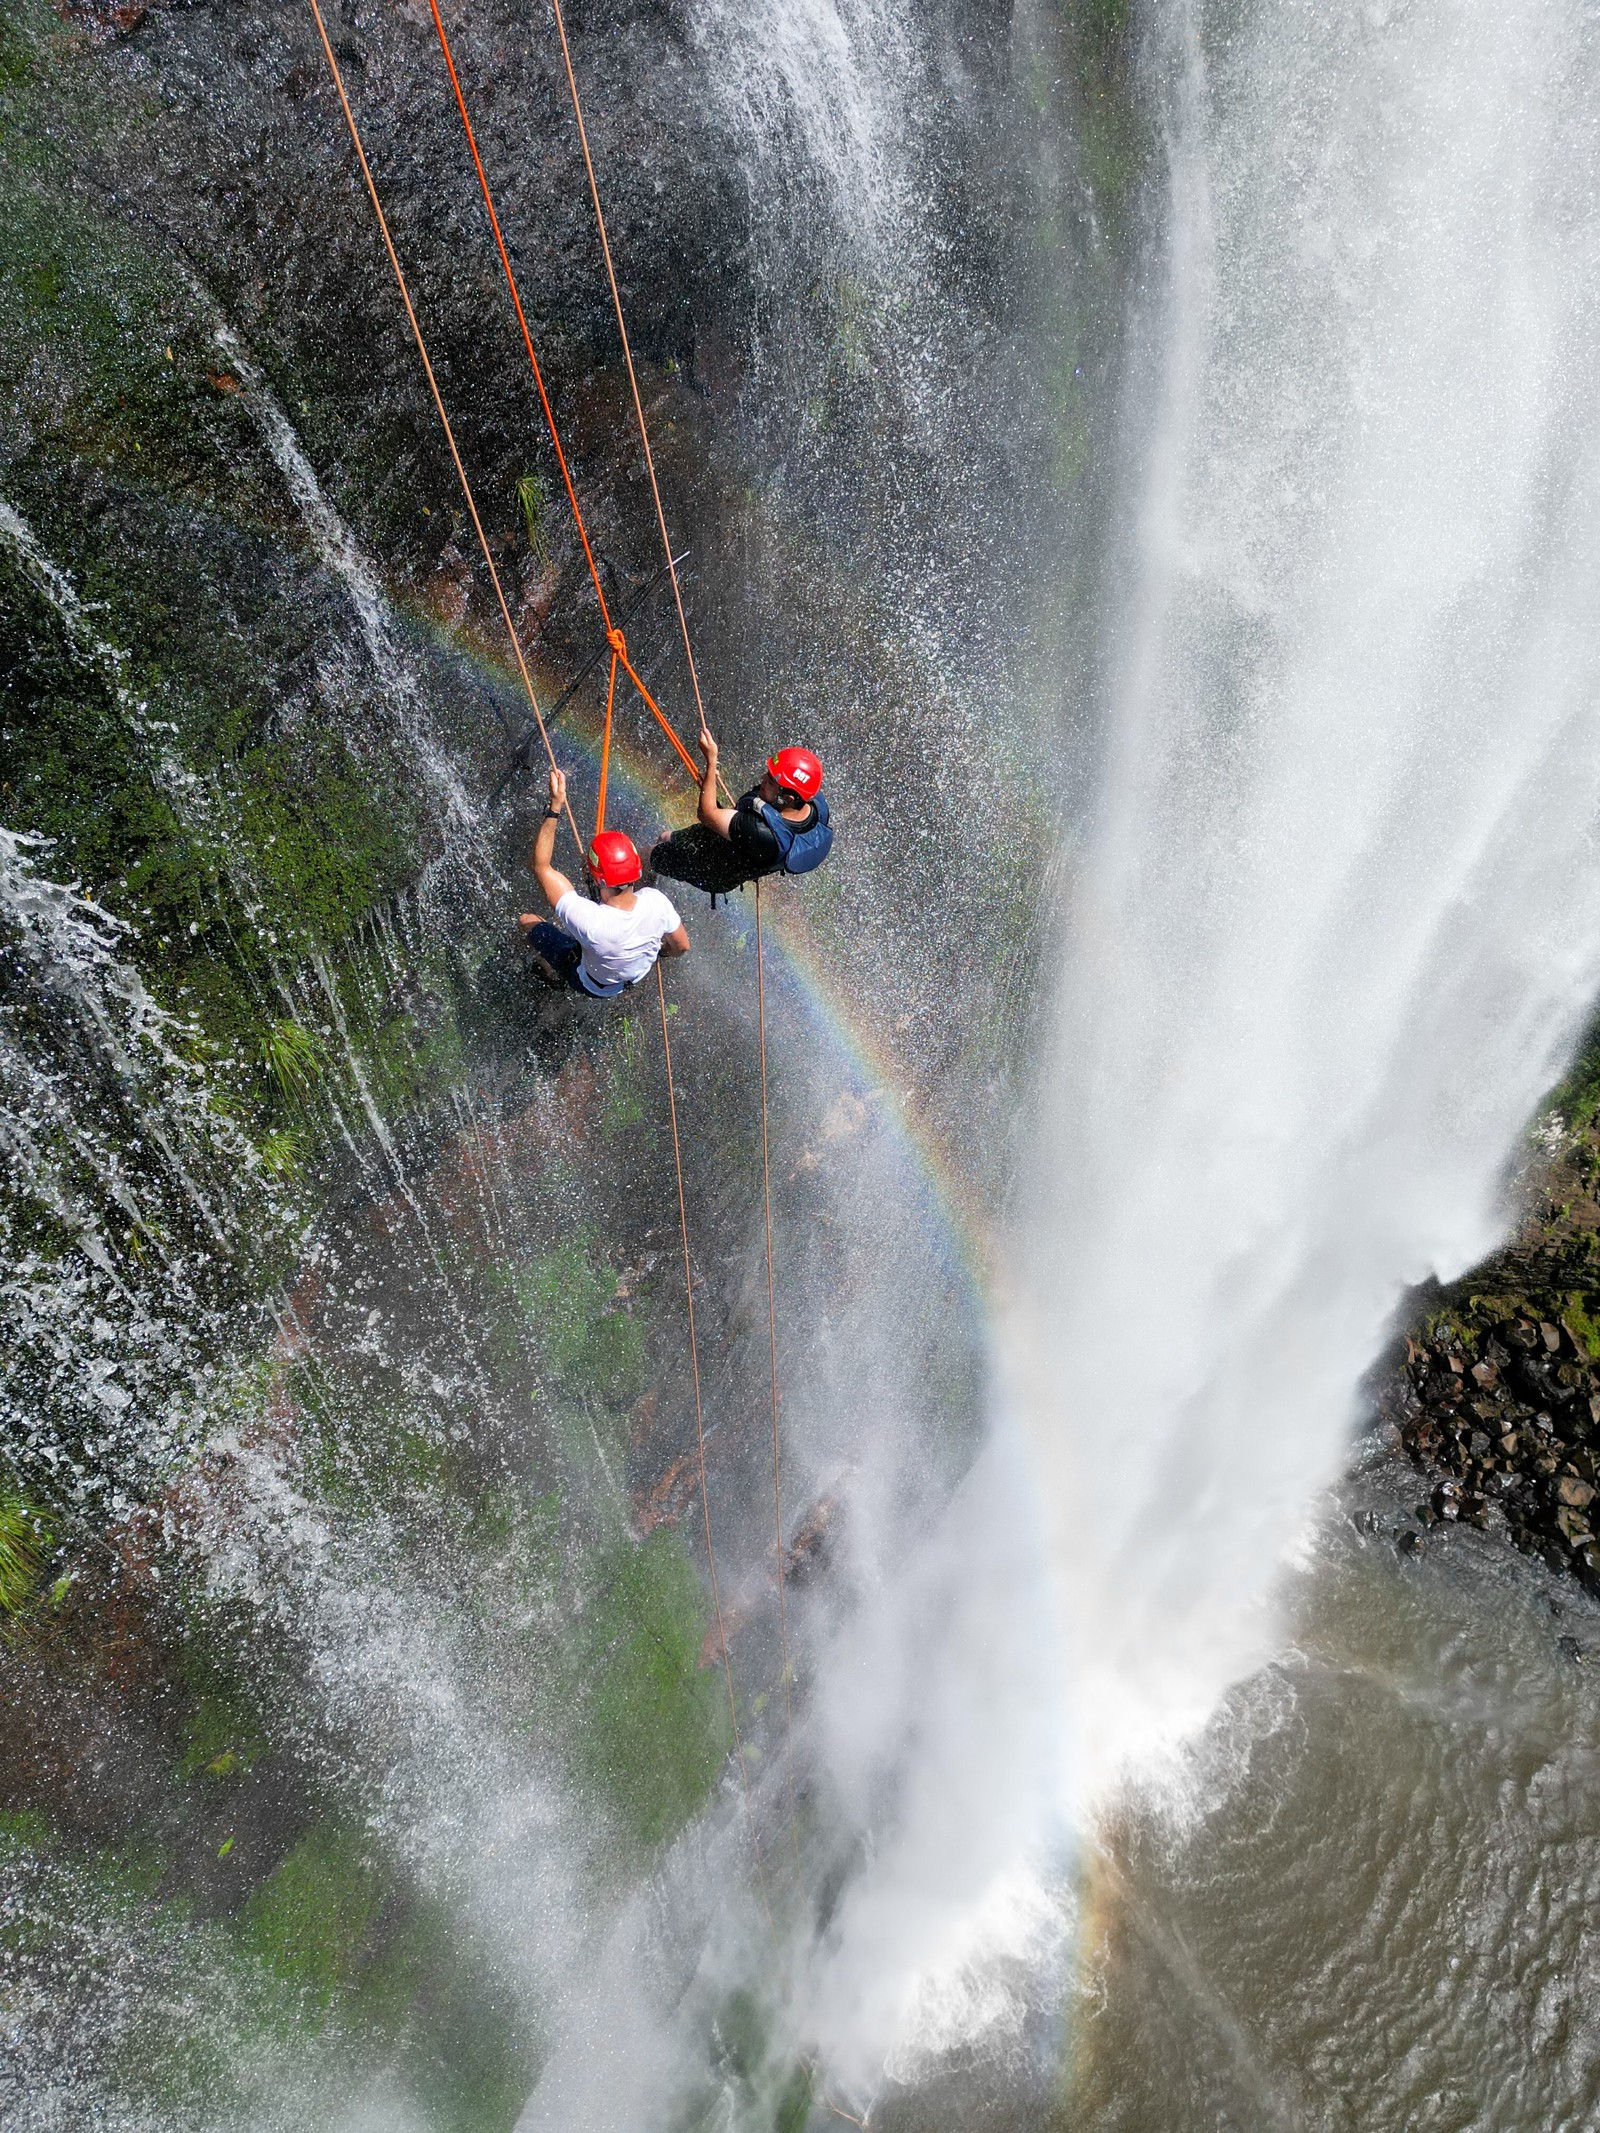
(618, 946)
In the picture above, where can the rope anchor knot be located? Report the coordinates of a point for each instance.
(618, 643)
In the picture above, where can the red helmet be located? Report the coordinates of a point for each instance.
(797, 770)
(613, 859)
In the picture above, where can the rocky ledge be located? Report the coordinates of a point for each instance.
(1493, 1391)
(1499, 1411)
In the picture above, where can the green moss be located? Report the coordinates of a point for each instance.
(365, 1450)
(86, 317)
(311, 1920)
(1102, 24)
(304, 843)
(1577, 1098)
(223, 1740)
(463, 2049)
(24, 1831)
(509, 1526)
(586, 1343)
(624, 1110)
(1579, 1321)
(321, 844)
(771, 2093)
(404, 1070)
(654, 1727)
(16, 61)
(794, 2103)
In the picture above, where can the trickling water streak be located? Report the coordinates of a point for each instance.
(820, 88)
(110, 1134)
(339, 550)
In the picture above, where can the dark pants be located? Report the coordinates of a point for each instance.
(560, 955)
(700, 858)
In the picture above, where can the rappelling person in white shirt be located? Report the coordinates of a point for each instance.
(604, 946)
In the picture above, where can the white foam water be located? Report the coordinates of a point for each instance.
(1337, 924)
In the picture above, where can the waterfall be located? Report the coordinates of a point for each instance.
(1217, 892)
(1335, 924)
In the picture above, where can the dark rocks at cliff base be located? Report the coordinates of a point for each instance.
(1501, 1412)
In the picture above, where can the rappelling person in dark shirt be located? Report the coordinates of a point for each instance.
(780, 825)
(603, 947)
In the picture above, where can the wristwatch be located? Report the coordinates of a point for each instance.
(552, 814)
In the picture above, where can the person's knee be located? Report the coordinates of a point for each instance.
(551, 953)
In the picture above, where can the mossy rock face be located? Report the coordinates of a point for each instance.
(585, 1343)
(653, 1725)
(223, 1741)
(333, 1981)
(462, 2048)
(311, 1921)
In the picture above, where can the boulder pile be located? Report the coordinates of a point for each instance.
(1502, 1413)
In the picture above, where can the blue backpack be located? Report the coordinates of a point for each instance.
(800, 850)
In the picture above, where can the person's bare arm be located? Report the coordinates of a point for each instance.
(714, 817)
(551, 880)
(676, 943)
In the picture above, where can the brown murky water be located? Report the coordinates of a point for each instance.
(1377, 1907)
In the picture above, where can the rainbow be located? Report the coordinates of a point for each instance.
(644, 800)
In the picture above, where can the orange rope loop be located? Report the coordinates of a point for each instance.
(627, 355)
(438, 398)
(613, 635)
(527, 337)
(661, 718)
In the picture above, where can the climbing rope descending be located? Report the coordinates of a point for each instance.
(614, 636)
(522, 321)
(772, 1342)
(700, 1447)
(619, 660)
(438, 401)
(605, 749)
(627, 356)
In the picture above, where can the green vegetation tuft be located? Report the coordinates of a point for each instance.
(25, 1541)
(293, 1058)
(533, 494)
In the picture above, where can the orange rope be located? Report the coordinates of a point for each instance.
(605, 745)
(516, 298)
(627, 354)
(772, 1341)
(661, 719)
(438, 399)
(700, 1443)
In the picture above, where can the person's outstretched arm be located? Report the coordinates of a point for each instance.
(676, 942)
(714, 817)
(551, 880)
